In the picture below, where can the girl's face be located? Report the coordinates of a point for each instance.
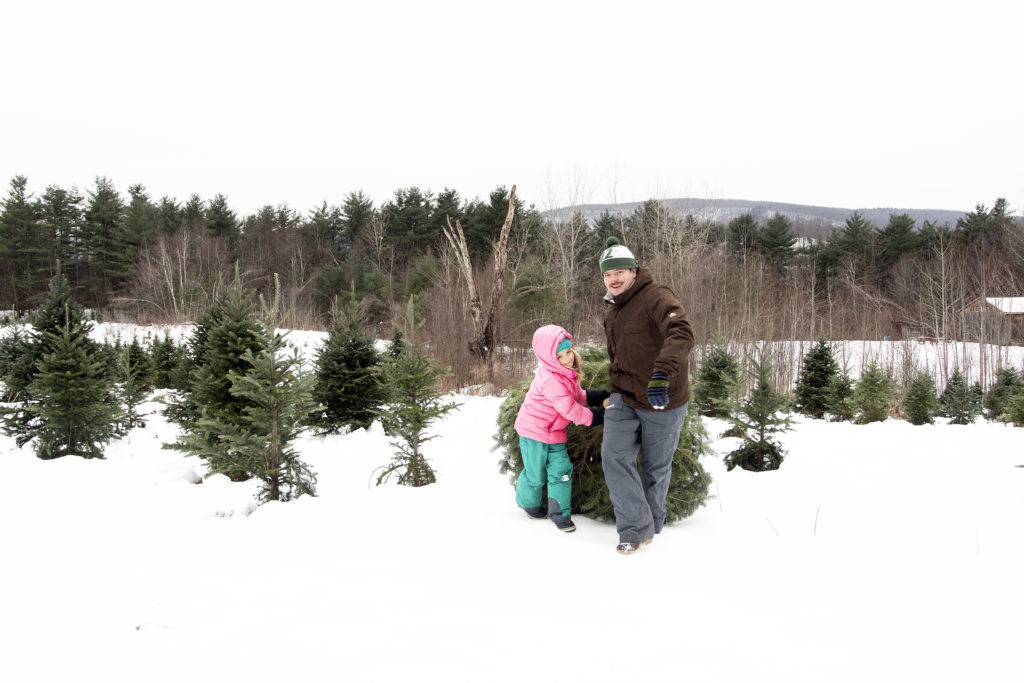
(565, 357)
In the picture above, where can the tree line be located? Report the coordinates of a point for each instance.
(146, 260)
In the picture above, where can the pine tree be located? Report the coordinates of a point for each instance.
(776, 239)
(690, 483)
(716, 383)
(760, 418)
(221, 339)
(959, 402)
(19, 244)
(73, 398)
(276, 402)
(921, 401)
(872, 395)
(1009, 382)
(415, 403)
(108, 247)
(818, 373)
(348, 384)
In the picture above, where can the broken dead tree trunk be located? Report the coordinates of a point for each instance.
(485, 327)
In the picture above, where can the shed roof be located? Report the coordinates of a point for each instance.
(1007, 304)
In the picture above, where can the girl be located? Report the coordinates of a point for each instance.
(554, 400)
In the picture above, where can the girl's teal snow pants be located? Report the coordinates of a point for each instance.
(544, 462)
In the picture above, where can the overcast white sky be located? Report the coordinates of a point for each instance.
(857, 105)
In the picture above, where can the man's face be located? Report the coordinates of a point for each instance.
(618, 281)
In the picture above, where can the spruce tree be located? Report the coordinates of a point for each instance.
(165, 356)
(759, 417)
(348, 387)
(414, 404)
(921, 401)
(690, 483)
(959, 402)
(276, 401)
(1013, 412)
(814, 387)
(841, 406)
(872, 395)
(716, 383)
(221, 340)
(73, 398)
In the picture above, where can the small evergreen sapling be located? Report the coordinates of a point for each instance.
(716, 382)
(818, 373)
(73, 398)
(760, 417)
(872, 395)
(135, 377)
(60, 382)
(228, 331)
(1009, 382)
(960, 402)
(841, 407)
(348, 383)
(921, 401)
(414, 405)
(276, 402)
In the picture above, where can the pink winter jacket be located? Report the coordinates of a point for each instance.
(555, 398)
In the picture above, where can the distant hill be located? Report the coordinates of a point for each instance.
(807, 219)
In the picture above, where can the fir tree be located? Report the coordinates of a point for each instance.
(348, 384)
(690, 483)
(415, 403)
(276, 402)
(716, 383)
(26, 353)
(921, 401)
(818, 373)
(73, 398)
(760, 418)
(959, 402)
(872, 395)
(136, 372)
(1009, 383)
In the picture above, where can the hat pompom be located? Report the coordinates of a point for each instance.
(611, 242)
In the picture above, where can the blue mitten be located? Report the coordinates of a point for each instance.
(657, 391)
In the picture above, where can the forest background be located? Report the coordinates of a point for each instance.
(133, 258)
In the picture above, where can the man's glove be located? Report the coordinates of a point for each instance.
(596, 397)
(598, 417)
(657, 390)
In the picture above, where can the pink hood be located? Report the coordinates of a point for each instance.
(555, 398)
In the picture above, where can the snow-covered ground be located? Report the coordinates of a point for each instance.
(883, 552)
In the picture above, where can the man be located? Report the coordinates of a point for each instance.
(649, 342)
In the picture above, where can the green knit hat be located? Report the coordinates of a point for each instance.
(565, 344)
(616, 256)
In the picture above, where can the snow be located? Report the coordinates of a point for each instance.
(877, 552)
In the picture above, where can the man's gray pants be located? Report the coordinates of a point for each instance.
(639, 500)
